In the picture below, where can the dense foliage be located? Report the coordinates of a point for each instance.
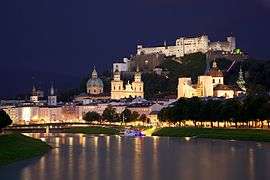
(4, 119)
(110, 114)
(92, 116)
(216, 133)
(249, 111)
(129, 116)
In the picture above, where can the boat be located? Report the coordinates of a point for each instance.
(133, 133)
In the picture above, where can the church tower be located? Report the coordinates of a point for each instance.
(34, 95)
(52, 98)
(117, 90)
(138, 85)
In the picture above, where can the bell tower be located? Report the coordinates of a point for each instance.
(138, 85)
(34, 95)
(52, 98)
(117, 90)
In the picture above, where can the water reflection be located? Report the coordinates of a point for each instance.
(137, 171)
(119, 158)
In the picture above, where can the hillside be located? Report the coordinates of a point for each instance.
(256, 72)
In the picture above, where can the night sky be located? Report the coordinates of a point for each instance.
(61, 40)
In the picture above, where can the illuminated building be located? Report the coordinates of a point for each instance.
(94, 84)
(185, 45)
(52, 98)
(209, 85)
(135, 89)
(34, 96)
(122, 66)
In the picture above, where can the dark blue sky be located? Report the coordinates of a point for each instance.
(61, 40)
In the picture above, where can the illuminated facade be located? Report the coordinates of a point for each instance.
(185, 45)
(209, 85)
(135, 89)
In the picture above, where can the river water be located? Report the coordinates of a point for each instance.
(77, 156)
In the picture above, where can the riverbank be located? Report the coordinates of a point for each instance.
(225, 134)
(15, 147)
(93, 130)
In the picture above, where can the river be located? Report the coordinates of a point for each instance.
(78, 156)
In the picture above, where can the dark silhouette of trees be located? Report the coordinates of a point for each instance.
(4, 120)
(253, 109)
(92, 116)
(110, 114)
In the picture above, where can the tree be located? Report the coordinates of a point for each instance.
(4, 119)
(231, 110)
(92, 116)
(252, 105)
(110, 114)
(264, 113)
(126, 115)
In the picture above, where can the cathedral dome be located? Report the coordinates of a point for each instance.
(94, 84)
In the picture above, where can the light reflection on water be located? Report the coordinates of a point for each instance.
(78, 156)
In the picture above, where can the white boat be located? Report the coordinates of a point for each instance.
(133, 133)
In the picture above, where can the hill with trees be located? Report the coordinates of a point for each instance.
(256, 74)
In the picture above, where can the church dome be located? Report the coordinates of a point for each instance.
(94, 84)
(215, 71)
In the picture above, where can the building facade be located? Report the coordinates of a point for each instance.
(209, 85)
(185, 46)
(119, 91)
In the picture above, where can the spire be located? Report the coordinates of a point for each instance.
(34, 90)
(52, 90)
(165, 44)
(94, 73)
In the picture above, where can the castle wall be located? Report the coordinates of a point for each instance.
(190, 45)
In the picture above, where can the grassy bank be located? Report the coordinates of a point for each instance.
(93, 130)
(15, 147)
(226, 134)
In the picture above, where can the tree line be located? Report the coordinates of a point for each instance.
(4, 120)
(248, 112)
(110, 115)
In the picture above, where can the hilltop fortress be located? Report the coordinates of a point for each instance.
(185, 46)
